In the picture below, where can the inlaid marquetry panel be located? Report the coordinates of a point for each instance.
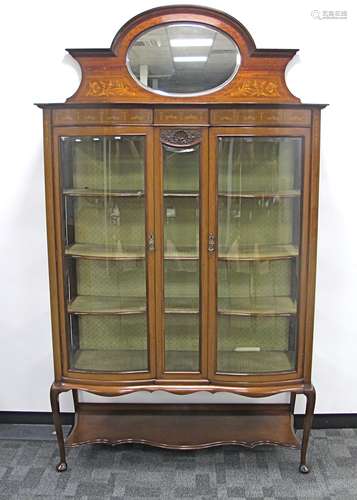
(181, 116)
(102, 116)
(274, 117)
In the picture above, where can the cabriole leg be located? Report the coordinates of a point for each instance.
(54, 394)
(309, 415)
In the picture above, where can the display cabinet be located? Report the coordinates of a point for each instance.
(182, 192)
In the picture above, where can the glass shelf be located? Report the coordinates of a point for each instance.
(86, 304)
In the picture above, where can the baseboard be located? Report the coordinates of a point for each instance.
(321, 421)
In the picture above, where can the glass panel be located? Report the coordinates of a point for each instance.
(183, 59)
(105, 270)
(259, 193)
(181, 258)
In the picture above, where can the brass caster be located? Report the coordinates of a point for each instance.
(304, 469)
(61, 467)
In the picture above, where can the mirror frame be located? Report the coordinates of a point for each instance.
(184, 94)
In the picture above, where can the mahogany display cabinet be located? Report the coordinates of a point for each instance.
(182, 195)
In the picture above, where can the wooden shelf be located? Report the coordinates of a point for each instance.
(228, 361)
(131, 360)
(88, 251)
(96, 193)
(180, 310)
(183, 427)
(260, 252)
(89, 304)
(290, 193)
(181, 194)
(258, 306)
(244, 362)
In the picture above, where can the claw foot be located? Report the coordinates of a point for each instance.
(61, 467)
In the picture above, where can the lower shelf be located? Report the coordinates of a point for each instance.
(227, 361)
(255, 362)
(132, 360)
(182, 426)
(111, 360)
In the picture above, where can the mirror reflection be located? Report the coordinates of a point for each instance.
(183, 59)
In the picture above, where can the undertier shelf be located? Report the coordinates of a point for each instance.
(183, 426)
(257, 306)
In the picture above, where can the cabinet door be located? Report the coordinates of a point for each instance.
(258, 266)
(108, 268)
(181, 210)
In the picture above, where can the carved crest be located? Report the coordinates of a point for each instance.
(180, 137)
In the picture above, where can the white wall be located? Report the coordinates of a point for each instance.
(35, 68)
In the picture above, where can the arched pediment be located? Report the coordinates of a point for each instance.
(259, 78)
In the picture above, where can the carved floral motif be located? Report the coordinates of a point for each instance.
(180, 137)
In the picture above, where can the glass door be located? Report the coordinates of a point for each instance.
(107, 207)
(256, 202)
(181, 208)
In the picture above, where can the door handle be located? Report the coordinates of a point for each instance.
(151, 243)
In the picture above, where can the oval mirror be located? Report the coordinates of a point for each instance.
(183, 59)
